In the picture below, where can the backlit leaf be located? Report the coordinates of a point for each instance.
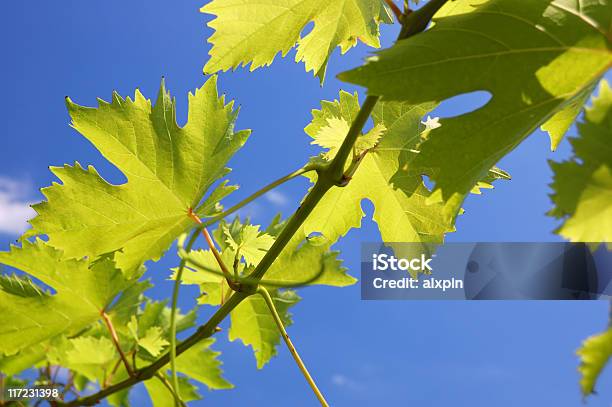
(583, 185)
(169, 169)
(82, 291)
(537, 58)
(594, 355)
(248, 31)
(254, 325)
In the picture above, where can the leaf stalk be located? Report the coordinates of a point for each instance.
(115, 339)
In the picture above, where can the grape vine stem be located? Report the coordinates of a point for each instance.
(329, 176)
(171, 389)
(396, 10)
(296, 356)
(115, 338)
(202, 226)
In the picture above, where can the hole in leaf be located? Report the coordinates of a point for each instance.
(429, 184)
(462, 104)
(314, 235)
(307, 29)
(315, 239)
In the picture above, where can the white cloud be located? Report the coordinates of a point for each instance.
(14, 207)
(250, 211)
(276, 198)
(341, 380)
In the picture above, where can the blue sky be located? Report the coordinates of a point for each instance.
(362, 353)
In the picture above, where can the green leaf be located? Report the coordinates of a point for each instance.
(594, 354)
(251, 321)
(255, 31)
(169, 169)
(162, 397)
(402, 208)
(82, 290)
(89, 356)
(303, 261)
(151, 331)
(119, 399)
(128, 303)
(583, 185)
(537, 58)
(494, 174)
(254, 325)
(153, 341)
(249, 242)
(561, 121)
(25, 359)
(308, 260)
(331, 136)
(157, 314)
(210, 284)
(200, 363)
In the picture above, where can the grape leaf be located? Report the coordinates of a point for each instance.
(303, 261)
(82, 291)
(198, 363)
(255, 31)
(157, 314)
(536, 58)
(211, 284)
(251, 321)
(128, 303)
(168, 168)
(331, 136)
(401, 208)
(152, 341)
(583, 185)
(308, 260)
(150, 329)
(594, 354)
(254, 325)
(249, 242)
(162, 397)
(25, 359)
(494, 174)
(558, 125)
(89, 356)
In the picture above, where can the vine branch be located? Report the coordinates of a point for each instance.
(329, 176)
(247, 280)
(396, 10)
(202, 226)
(175, 295)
